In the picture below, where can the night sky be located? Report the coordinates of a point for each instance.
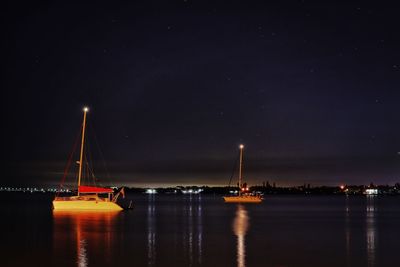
(312, 90)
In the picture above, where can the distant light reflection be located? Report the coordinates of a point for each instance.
(371, 229)
(240, 227)
(151, 228)
(199, 230)
(190, 231)
(192, 235)
(348, 229)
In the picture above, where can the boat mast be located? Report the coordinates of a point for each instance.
(240, 168)
(85, 110)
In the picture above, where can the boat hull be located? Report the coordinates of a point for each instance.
(242, 199)
(85, 205)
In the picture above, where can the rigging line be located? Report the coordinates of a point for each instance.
(85, 175)
(100, 152)
(90, 172)
(90, 163)
(87, 170)
(233, 172)
(66, 169)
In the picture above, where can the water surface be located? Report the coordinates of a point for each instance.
(200, 230)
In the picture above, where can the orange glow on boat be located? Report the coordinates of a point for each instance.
(243, 195)
(88, 198)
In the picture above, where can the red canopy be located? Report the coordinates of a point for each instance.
(93, 189)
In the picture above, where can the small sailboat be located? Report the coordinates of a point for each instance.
(90, 198)
(243, 196)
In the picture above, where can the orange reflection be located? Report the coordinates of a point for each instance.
(240, 227)
(90, 231)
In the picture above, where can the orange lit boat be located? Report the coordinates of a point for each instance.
(243, 195)
(90, 198)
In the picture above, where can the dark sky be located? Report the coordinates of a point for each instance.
(312, 90)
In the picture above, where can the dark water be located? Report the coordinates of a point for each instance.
(169, 230)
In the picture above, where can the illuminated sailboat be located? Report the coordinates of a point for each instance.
(90, 198)
(243, 195)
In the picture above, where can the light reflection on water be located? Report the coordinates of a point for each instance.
(199, 231)
(151, 231)
(190, 232)
(240, 227)
(193, 232)
(91, 230)
(371, 229)
(82, 255)
(347, 229)
(185, 222)
(371, 209)
(203, 231)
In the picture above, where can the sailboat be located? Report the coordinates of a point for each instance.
(90, 198)
(243, 195)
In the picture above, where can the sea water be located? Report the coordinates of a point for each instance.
(202, 230)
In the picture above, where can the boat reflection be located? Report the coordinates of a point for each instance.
(240, 227)
(88, 231)
(82, 253)
(371, 229)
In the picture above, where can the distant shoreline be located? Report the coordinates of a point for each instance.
(306, 189)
